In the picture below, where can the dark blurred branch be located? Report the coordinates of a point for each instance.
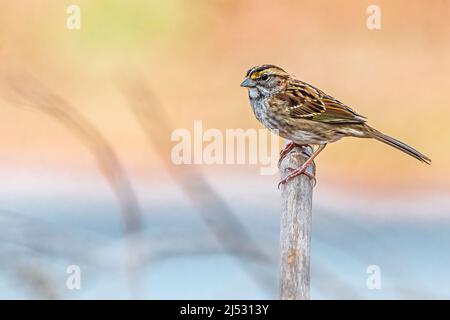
(38, 281)
(27, 91)
(224, 224)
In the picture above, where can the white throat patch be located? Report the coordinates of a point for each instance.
(253, 93)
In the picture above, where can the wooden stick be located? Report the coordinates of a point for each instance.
(295, 235)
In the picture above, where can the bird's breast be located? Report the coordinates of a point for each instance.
(260, 109)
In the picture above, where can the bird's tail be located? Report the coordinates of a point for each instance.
(398, 145)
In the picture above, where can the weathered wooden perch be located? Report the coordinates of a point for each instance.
(295, 235)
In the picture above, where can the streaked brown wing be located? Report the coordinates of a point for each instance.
(308, 102)
(304, 100)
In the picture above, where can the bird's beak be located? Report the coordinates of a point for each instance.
(247, 83)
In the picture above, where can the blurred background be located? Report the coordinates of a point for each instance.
(86, 176)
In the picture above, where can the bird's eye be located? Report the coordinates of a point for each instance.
(264, 77)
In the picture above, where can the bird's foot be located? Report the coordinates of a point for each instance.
(288, 148)
(285, 151)
(296, 172)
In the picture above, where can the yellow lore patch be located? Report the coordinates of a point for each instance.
(256, 75)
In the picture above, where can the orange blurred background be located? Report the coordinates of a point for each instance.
(194, 55)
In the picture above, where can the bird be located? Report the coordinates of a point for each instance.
(305, 115)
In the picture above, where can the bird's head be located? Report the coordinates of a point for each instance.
(265, 80)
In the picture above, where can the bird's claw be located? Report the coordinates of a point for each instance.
(285, 151)
(288, 148)
(295, 173)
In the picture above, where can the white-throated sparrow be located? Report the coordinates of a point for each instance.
(306, 115)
